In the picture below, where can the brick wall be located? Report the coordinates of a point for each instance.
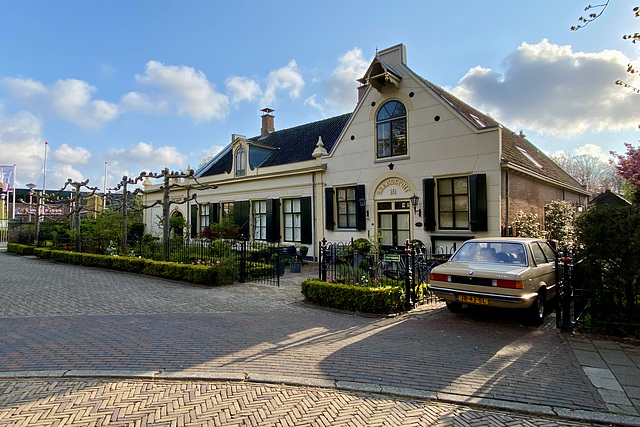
(530, 195)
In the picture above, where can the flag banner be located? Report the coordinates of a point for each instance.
(6, 178)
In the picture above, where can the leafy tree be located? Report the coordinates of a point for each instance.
(628, 167)
(609, 239)
(527, 225)
(594, 174)
(558, 219)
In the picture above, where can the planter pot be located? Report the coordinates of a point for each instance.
(295, 267)
(280, 268)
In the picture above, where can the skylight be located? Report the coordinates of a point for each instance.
(530, 157)
(478, 120)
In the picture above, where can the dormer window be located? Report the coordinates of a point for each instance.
(391, 130)
(241, 162)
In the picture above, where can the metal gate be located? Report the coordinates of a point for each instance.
(4, 232)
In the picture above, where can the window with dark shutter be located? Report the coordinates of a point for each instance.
(329, 221)
(429, 187)
(478, 202)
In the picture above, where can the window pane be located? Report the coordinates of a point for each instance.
(352, 221)
(351, 207)
(384, 140)
(462, 203)
(446, 220)
(403, 235)
(446, 204)
(444, 187)
(399, 128)
(384, 206)
(462, 220)
(403, 222)
(460, 185)
(295, 205)
(351, 193)
(386, 221)
(399, 110)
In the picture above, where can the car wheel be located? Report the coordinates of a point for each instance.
(536, 311)
(454, 306)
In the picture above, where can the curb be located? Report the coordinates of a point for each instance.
(493, 404)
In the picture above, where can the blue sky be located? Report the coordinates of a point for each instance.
(146, 84)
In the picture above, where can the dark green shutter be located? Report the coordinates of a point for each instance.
(194, 220)
(241, 215)
(478, 202)
(273, 220)
(214, 213)
(429, 195)
(361, 211)
(306, 233)
(329, 220)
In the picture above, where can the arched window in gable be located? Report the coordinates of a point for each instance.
(241, 162)
(391, 130)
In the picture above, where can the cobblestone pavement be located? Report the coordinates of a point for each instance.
(104, 402)
(61, 321)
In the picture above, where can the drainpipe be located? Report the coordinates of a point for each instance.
(507, 200)
(313, 212)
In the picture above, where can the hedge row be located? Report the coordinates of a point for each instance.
(388, 299)
(222, 274)
(19, 249)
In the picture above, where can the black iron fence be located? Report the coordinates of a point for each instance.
(594, 295)
(251, 260)
(362, 265)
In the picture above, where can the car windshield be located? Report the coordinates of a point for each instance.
(491, 252)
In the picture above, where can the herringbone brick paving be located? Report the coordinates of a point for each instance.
(63, 317)
(38, 403)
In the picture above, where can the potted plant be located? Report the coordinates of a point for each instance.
(304, 250)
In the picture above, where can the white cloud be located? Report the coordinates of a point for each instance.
(285, 78)
(342, 86)
(340, 89)
(22, 144)
(57, 176)
(555, 91)
(180, 86)
(144, 103)
(243, 89)
(71, 99)
(143, 156)
(593, 151)
(70, 155)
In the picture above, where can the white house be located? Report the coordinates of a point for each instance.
(356, 175)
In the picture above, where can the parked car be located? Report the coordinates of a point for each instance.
(498, 272)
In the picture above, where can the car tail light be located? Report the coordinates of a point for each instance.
(439, 277)
(512, 284)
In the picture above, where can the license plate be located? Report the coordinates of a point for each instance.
(472, 300)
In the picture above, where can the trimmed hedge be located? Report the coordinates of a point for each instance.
(222, 274)
(19, 249)
(388, 299)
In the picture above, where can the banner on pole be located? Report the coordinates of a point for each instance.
(6, 178)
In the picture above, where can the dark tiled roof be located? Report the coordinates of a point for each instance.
(292, 145)
(510, 143)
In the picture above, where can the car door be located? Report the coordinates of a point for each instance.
(544, 272)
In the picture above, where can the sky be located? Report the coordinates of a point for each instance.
(144, 85)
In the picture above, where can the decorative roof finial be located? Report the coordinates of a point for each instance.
(319, 151)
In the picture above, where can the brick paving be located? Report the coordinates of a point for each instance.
(104, 402)
(64, 318)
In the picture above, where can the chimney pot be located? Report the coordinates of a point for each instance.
(268, 122)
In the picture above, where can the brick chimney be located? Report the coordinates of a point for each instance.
(361, 90)
(268, 125)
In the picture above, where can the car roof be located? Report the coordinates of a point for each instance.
(506, 240)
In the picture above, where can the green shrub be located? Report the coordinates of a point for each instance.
(20, 249)
(387, 299)
(210, 275)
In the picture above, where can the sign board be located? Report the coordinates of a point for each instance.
(392, 257)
